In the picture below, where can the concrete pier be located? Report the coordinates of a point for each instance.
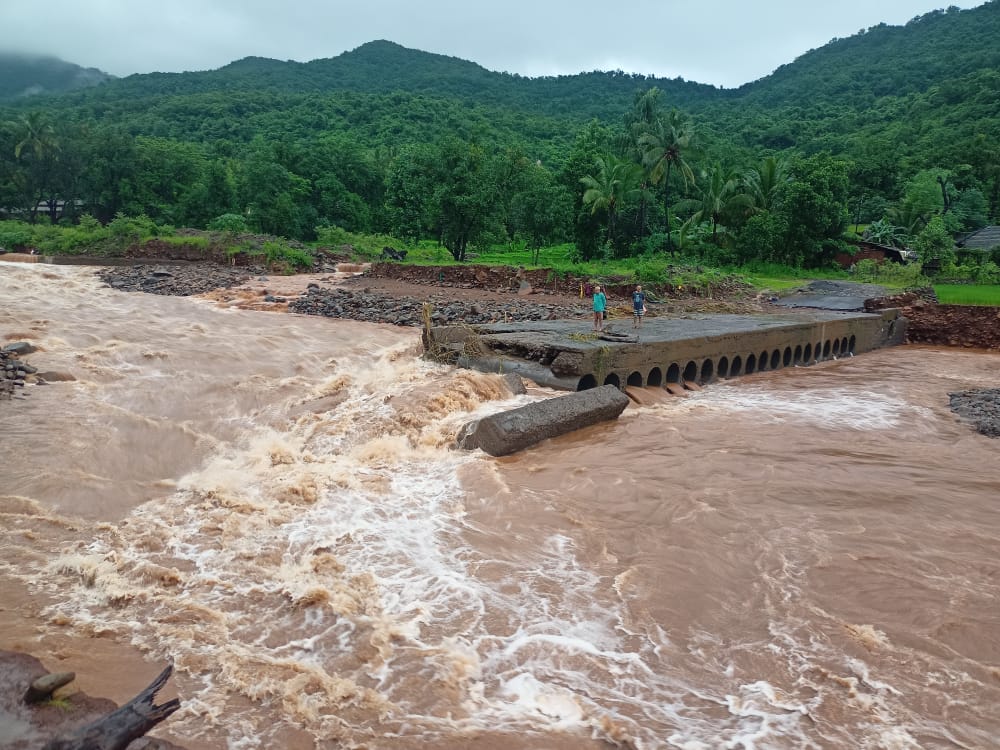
(699, 349)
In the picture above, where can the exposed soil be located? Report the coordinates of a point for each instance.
(967, 326)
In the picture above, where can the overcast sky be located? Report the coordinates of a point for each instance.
(722, 42)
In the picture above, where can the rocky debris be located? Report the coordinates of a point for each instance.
(511, 431)
(14, 370)
(391, 253)
(906, 299)
(979, 406)
(407, 311)
(515, 384)
(177, 280)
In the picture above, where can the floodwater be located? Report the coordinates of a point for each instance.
(797, 559)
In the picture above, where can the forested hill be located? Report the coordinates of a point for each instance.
(944, 58)
(29, 75)
(940, 48)
(901, 122)
(383, 67)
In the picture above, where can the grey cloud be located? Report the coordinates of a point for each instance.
(711, 41)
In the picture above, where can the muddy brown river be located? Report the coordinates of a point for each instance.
(805, 558)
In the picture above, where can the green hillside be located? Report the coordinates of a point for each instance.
(893, 127)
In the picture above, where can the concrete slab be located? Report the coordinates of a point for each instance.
(696, 349)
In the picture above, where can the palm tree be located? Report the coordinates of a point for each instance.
(616, 181)
(720, 195)
(38, 147)
(663, 148)
(37, 136)
(763, 181)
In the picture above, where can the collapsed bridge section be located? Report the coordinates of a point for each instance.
(567, 355)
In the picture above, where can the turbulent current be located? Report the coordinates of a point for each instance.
(805, 558)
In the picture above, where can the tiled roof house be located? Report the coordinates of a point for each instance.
(982, 239)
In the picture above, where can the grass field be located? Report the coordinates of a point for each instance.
(967, 294)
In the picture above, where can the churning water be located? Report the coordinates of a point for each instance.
(798, 559)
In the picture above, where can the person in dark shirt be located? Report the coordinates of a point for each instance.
(638, 306)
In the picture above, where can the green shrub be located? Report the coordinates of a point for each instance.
(367, 245)
(277, 253)
(15, 234)
(232, 223)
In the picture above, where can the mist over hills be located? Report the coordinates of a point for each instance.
(24, 75)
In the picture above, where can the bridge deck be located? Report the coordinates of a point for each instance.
(568, 354)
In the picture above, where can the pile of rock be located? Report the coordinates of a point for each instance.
(178, 280)
(981, 407)
(407, 311)
(13, 370)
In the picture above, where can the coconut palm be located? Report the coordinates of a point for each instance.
(764, 180)
(37, 151)
(720, 195)
(615, 182)
(36, 136)
(663, 148)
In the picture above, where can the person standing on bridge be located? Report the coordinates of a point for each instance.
(638, 306)
(600, 305)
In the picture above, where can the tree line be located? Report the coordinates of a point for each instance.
(657, 181)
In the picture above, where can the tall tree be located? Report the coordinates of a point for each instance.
(466, 196)
(663, 151)
(720, 195)
(615, 181)
(764, 180)
(37, 153)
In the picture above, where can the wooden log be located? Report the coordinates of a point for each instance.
(116, 730)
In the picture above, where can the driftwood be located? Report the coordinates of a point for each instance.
(116, 730)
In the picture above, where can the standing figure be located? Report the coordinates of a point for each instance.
(638, 306)
(600, 304)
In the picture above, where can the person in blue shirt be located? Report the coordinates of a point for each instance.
(600, 304)
(638, 306)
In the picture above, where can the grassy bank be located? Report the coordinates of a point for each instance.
(968, 294)
(128, 235)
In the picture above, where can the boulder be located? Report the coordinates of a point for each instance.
(511, 431)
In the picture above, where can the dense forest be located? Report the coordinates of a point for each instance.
(895, 128)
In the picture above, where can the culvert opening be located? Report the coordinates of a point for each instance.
(827, 348)
(836, 348)
(655, 377)
(586, 383)
(614, 380)
(807, 354)
(852, 345)
(797, 356)
(736, 368)
(691, 371)
(723, 367)
(707, 371)
(786, 359)
(635, 380)
(751, 367)
(844, 347)
(674, 373)
(762, 361)
(775, 360)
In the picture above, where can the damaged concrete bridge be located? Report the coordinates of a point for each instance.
(667, 352)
